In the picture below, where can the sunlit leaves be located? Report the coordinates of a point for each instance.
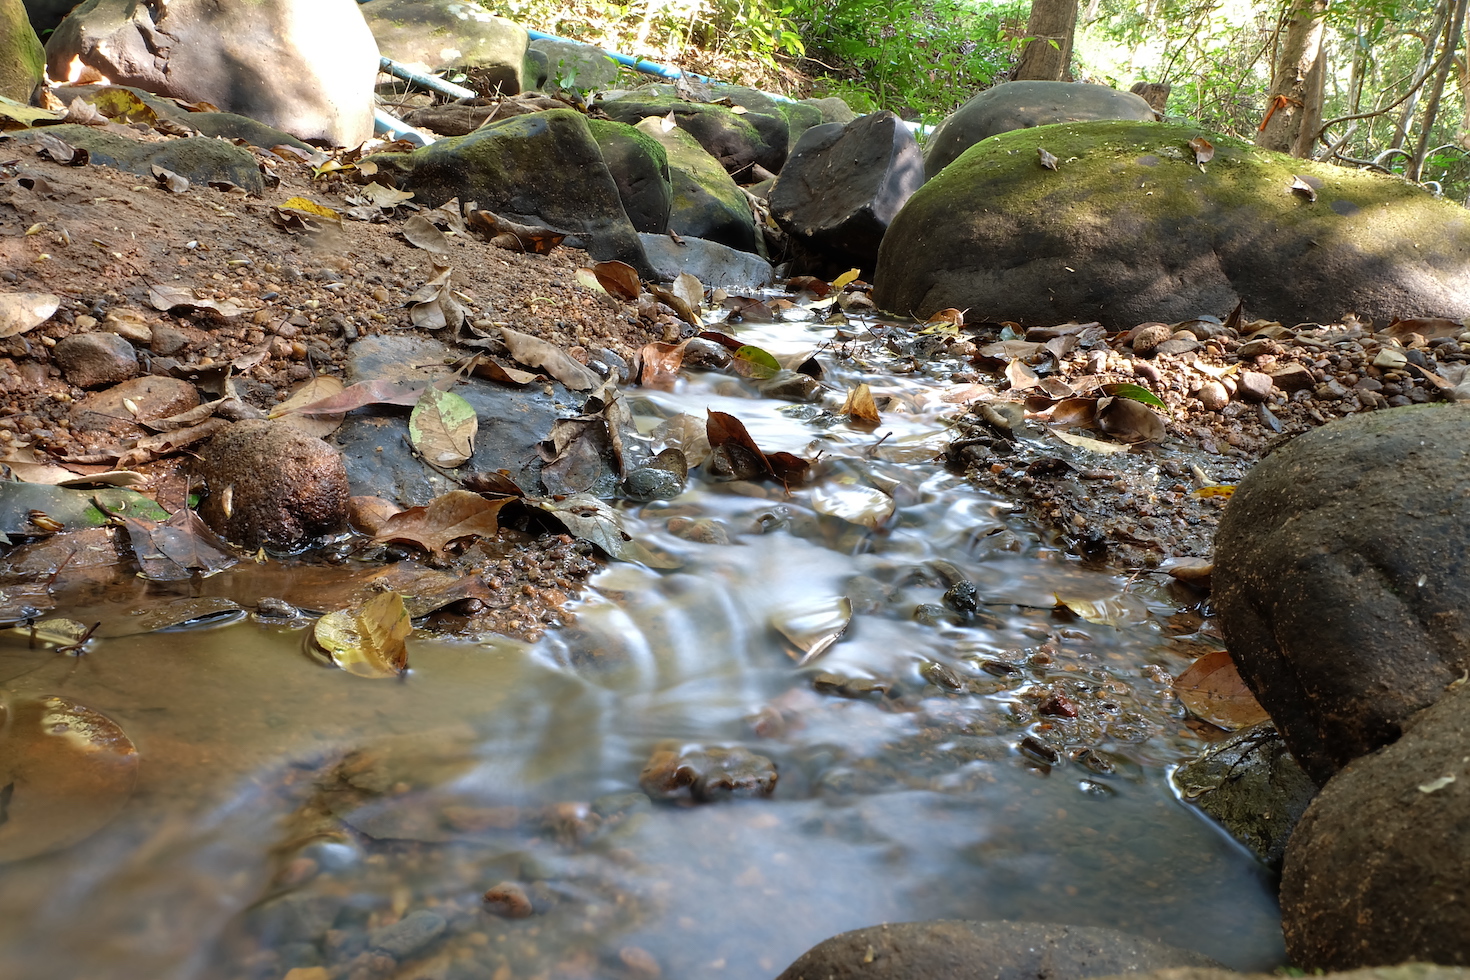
(368, 640)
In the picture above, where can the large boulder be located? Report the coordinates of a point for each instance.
(1024, 105)
(840, 189)
(736, 140)
(1378, 871)
(570, 64)
(306, 67)
(437, 34)
(272, 485)
(1340, 579)
(640, 167)
(953, 949)
(220, 125)
(22, 59)
(541, 168)
(1130, 228)
(706, 202)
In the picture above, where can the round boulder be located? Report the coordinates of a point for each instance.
(438, 34)
(1341, 582)
(272, 485)
(1378, 870)
(1132, 226)
(1023, 105)
(953, 949)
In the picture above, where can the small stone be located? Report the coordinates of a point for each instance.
(1177, 345)
(651, 483)
(168, 341)
(272, 484)
(1330, 390)
(1147, 336)
(1253, 386)
(700, 530)
(152, 397)
(409, 934)
(91, 360)
(1257, 347)
(1368, 384)
(509, 901)
(1213, 396)
(1293, 378)
(640, 962)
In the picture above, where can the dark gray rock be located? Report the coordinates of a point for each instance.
(640, 169)
(439, 34)
(1250, 785)
(711, 263)
(952, 949)
(736, 140)
(409, 934)
(90, 360)
(307, 68)
(839, 191)
(1130, 229)
(1407, 971)
(1023, 105)
(706, 203)
(1340, 581)
(272, 485)
(1377, 870)
(198, 158)
(583, 67)
(541, 168)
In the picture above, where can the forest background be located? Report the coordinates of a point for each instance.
(1369, 83)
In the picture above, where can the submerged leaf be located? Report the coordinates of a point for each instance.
(368, 641)
(1213, 690)
(442, 427)
(813, 627)
(866, 506)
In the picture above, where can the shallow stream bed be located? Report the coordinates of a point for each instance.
(973, 751)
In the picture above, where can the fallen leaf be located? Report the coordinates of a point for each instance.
(442, 427)
(448, 518)
(552, 359)
(1429, 328)
(1094, 445)
(589, 519)
(1204, 151)
(1020, 376)
(1129, 421)
(1136, 392)
(619, 279)
(810, 284)
(168, 180)
(61, 151)
(813, 627)
(309, 206)
(383, 198)
(691, 291)
(1222, 491)
(1213, 690)
(661, 363)
(423, 233)
(747, 309)
(1302, 187)
(752, 362)
(686, 433)
(433, 306)
(1071, 412)
(1046, 159)
(536, 239)
(1109, 611)
(318, 388)
(860, 405)
(178, 549)
(368, 641)
(496, 369)
(846, 279)
(120, 105)
(377, 392)
(169, 297)
(20, 312)
(676, 302)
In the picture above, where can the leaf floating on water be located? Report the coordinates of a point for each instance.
(1047, 160)
(65, 772)
(753, 362)
(20, 312)
(1204, 151)
(1213, 690)
(448, 518)
(442, 427)
(368, 641)
(1111, 611)
(860, 405)
(865, 506)
(813, 627)
(619, 279)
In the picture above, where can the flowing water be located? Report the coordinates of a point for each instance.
(289, 816)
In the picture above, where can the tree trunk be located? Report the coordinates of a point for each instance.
(1452, 33)
(1048, 52)
(1296, 89)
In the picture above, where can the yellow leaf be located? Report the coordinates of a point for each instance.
(310, 207)
(368, 641)
(841, 281)
(860, 404)
(1223, 490)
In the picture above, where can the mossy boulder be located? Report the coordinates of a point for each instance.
(1130, 228)
(22, 59)
(640, 167)
(706, 203)
(1341, 582)
(736, 140)
(1024, 105)
(438, 34)
(220, 125)
(198, 158)
(576, 66)
(541, 168)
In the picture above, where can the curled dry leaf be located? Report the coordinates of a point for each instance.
(169, 297)
(1300, 185)
(860, 405)
(61, 151)
(318, 388)
(1213, 690)
(552, 359)
(20, 312)
(619, 279)
(370, 640)
(1047, 160)
(433, 306)
(169, 181)
(1129, 421)
(504, 233)
(676, 302)
(1204, 151)
(442, 427)
(424, 234)
(690, 290)
(1020, 376)
(448, 518)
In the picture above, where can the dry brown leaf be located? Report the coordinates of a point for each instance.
(169, 297)
(1300, 185)
(860, 405)
(1204, 151)
(320, 387)
(20, 312)
(1020, 376)
(661, 363)
(548, 357)
(1129, 421)
(1213, 690)
(423, 233)
(448, 518)
(1047, 160)
(619, 279)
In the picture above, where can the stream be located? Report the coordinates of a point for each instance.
(1002, 758)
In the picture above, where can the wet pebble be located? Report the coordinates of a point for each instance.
(640, 963)
(857, 688)
(509, 901)
(700, 530)
(651, 483)
(707, 773)
(408, 935)
(91, 360)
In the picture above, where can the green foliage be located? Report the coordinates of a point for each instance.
(916, 57)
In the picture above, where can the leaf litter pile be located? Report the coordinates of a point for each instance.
(1123, 440)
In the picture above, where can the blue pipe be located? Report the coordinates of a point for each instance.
(394, 128)
(432, 82)
(628, 61)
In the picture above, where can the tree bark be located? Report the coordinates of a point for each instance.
(1452, 34)
(1296, 83)
(1048, 52)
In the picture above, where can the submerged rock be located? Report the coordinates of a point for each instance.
(1130, 229)
(706, 773)
(1338, 577)
(272, 485)
(953, 949)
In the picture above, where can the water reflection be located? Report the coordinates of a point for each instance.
(289, 816)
